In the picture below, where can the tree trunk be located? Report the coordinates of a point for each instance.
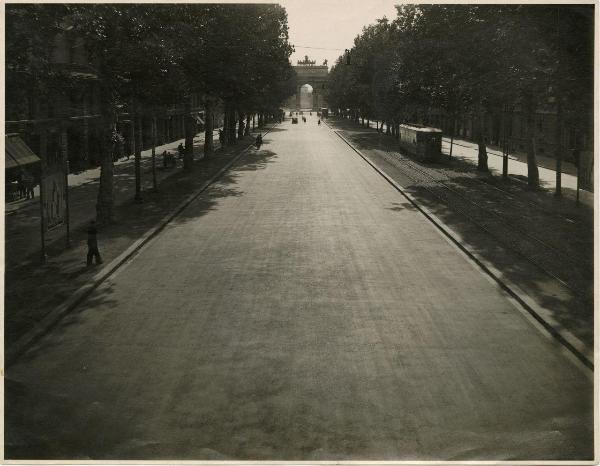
(225, 125)
(231, 129)
(105, 202)
(504, 142)
(160, 131)
(131, 149)
(533, 176)
(452, 135)
(136, 140)
(558, 149)
(247, 129)
(241, 126)
(482, 158)
(388, 130)
(188, 127)
(208, 129)
(154, 183)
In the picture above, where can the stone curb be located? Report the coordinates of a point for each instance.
(55, 316)
(542, 315)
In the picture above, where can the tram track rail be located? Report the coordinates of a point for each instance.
(548, 258)
(531, 248)
(511, 194)
(531, 219)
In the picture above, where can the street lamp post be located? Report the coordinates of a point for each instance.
(65, 158)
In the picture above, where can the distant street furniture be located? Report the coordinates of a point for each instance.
(421, 141)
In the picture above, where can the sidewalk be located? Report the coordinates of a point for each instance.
(517, 166)
(32, 290)
(543, 161)
(22, 218)
(540, 244)
(93, 174)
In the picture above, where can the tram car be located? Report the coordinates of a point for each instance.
(421, 141)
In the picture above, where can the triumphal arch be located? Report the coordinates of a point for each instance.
(315, 76)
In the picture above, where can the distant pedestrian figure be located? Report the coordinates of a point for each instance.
(180, 149)
(92, 241)
(168, 160)
(259, 141)
(319, 123)
(21, 184)
(28, 183)
(221, 137)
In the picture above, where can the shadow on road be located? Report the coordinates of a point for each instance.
(33, 290)
(24, 436)
(525, 234)
(226, 185)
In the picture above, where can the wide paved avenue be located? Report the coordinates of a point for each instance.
(299, 309)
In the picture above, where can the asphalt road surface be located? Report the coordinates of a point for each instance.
(299, 309)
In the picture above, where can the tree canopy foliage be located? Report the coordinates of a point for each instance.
(147, 57)
(467, 59)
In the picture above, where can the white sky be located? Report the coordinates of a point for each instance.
(330, 24)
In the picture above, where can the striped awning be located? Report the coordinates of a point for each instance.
(17, 153)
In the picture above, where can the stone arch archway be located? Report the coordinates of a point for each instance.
(305, 97)
(314, 76)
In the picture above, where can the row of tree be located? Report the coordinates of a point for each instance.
(148, 57)
(469, 60)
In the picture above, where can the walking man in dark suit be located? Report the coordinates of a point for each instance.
(93, 244)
